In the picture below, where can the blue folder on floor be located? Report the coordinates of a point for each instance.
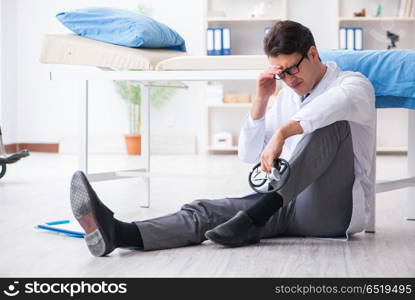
(66, 227)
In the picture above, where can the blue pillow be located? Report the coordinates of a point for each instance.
(121, 27)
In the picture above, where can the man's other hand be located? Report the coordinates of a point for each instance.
(272, 152)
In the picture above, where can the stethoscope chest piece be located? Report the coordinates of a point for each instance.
(275, 180)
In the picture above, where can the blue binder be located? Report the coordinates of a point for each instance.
(217, 41)
(343, 38)
(266, 30)
(351, 38)
(358, 38)
(210, 41)
(226, 41)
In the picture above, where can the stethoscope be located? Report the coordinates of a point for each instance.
(276, 179)
(10, 159)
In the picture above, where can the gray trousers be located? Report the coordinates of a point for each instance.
(317, 197)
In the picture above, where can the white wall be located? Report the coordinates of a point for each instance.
(8, 69)
(35, 109)
(48, 110)
(320, 16)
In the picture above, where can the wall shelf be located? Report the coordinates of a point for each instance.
(375, 38)
(235, 105)
(246, 38)
(377, 19)
(227, 149)
(375, 28)
(241, 19)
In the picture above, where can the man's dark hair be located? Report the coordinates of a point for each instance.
(288, 37)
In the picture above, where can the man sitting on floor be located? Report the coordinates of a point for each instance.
(322, 122)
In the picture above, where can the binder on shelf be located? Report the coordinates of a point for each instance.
(343, 38)
(405, 8)
(401, 10)
(266, 30)
(217, 42)
(408, 8)
(350, 38)
(210, 41)
(358, 38)
(226, 35)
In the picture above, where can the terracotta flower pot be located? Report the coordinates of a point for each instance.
(133, 143)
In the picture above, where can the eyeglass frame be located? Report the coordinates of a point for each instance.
(297, 66)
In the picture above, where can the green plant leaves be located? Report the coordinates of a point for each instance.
(131, 93)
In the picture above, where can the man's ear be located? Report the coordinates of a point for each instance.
(313, 54)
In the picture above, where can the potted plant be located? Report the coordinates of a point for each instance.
(131, 93)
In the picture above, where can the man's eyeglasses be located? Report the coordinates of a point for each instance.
(290, 70)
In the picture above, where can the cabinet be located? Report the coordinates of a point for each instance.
(375, 28)
(247, 34)
(392, 122)
(247, 21)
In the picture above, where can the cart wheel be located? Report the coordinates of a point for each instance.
(3, 170)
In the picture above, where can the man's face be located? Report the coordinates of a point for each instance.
(303, 81)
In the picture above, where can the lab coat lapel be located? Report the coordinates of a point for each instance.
(330, 75)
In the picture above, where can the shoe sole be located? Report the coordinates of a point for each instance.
(216, 239)
(82, 205)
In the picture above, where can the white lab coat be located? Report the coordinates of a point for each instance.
(340, 95)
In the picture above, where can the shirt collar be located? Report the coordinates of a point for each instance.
(328, 77)
(303, 97)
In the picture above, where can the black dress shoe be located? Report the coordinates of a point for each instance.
(238, 231)
(95, 218)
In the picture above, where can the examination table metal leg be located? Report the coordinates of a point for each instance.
(411, 165)
(145, 150)
(83, 127)
(145, 140)
(371, 224)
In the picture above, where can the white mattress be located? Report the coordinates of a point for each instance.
(76, 50)
(226, 62)
(72, 49)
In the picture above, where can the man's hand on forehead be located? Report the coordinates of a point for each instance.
(275, 69)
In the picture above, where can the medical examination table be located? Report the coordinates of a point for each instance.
(391, 73)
